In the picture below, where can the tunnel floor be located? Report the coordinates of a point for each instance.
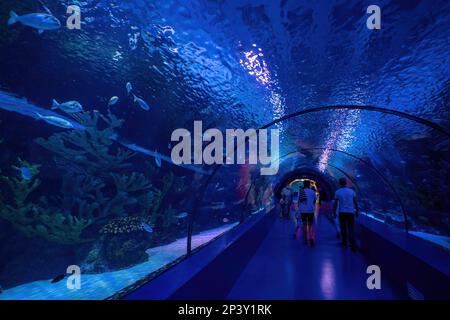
(284, 268)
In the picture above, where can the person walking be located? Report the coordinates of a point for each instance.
(307, 204)
(346, 207)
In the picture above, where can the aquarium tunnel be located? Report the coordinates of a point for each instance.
(96, 204)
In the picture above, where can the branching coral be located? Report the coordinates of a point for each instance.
(36, 219)
(91, 148)
(97, 188)
(131, 183)
(91, 161)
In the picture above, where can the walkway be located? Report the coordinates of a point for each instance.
(284, 268)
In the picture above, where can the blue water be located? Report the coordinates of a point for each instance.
(231, 64)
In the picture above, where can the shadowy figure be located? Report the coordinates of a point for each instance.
(346, 206)
(286, 201)
(295, 210)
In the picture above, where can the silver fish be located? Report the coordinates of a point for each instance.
(113, 101)
(129, 87)
(68, 107)
(146, 227)
(157, 159)
(141, 103)
(59, 122)
(216, 206)
(39, 21)
(181, 215)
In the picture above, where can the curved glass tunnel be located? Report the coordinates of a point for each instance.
(87, 178)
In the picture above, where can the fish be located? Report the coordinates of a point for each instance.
(417, 136)
(169, 146)
(225, 220)
(39, 21)
(58, 278)
(68, 107)
(141, 103)
(220, 189)
(181, 215)
(26, 174)
(129, 87)
(216, 206)
(148, 228)
(113, 101)
(59, 122)
(157, 159)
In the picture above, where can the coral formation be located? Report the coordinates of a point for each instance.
(90, 149)
(97, 196)
(90, 162)
(34, 218)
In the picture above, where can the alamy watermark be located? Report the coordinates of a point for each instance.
(74, 279)
(74, 20)
(235, 143)
(374, 280)
(374, 20)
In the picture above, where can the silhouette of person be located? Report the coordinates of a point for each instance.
(307, 204)
(346, 206)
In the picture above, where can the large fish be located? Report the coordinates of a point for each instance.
(68, 107)
(39, 21)
(59, 122)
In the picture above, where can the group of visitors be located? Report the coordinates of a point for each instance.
(301, 207)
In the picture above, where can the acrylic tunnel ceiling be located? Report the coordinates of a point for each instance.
(244, 64)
